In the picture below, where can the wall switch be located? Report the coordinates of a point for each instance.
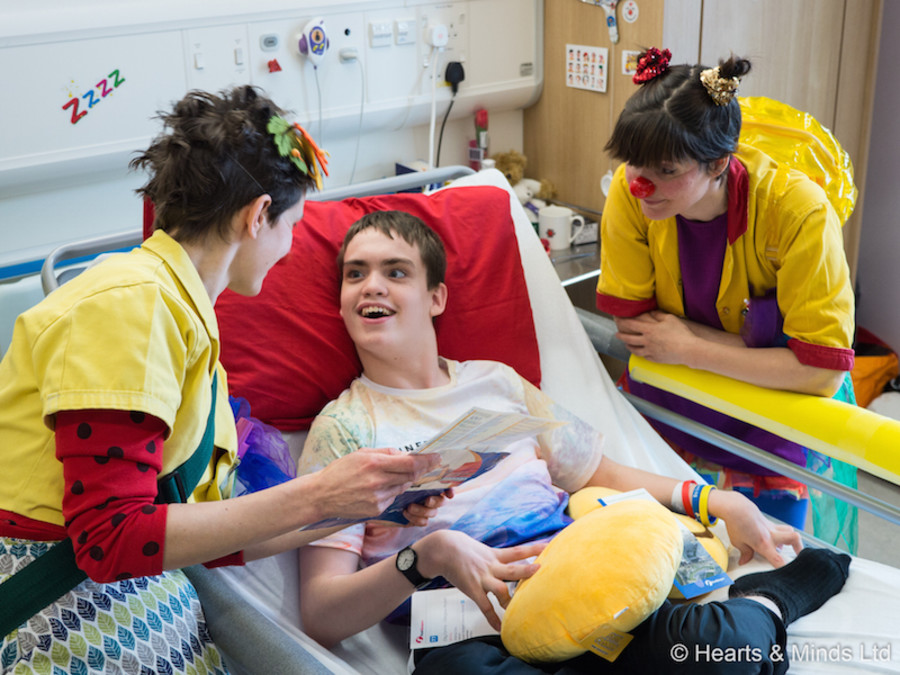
(381, 34)
(405, 31)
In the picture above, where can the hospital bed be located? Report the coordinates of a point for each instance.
(253, 610)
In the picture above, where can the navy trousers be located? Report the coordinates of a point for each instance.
(734, 637)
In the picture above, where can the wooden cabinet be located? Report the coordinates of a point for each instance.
(816, 55)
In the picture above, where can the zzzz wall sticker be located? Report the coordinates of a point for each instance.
(586, 67)
(92, 97)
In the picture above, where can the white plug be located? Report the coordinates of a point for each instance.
(437, 35)
(348, 55)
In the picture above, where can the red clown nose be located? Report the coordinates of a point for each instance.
(641, 187)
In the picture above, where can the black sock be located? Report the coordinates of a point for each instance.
(801, 586)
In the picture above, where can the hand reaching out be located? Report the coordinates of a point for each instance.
(364, 483)
(749, 531)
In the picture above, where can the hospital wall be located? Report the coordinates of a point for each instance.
(879, 258)
(85, 81)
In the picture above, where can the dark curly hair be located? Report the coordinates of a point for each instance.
(214, 157)
(672, 118)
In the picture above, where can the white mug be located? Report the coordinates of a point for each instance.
(559, 225)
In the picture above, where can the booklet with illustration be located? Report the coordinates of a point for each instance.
(698, 573)
(469, 446)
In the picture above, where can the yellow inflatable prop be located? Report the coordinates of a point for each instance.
(840, 430)
(795, 138)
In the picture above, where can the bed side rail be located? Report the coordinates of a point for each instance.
(601, 331)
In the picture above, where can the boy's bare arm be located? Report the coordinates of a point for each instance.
(338, 600)
(748, 530)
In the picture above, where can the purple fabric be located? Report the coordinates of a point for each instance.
(701, 247)
(741, 430)
(701, 250)
(763, 323)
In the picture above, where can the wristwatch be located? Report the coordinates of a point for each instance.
(407, 563)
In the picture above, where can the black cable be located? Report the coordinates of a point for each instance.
(437, 159)
(453, 75)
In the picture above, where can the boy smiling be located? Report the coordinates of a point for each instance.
(392, 269)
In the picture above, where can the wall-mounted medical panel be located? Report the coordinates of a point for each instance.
(79, 105)
(82, 91)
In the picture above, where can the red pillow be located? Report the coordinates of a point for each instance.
(287, 352)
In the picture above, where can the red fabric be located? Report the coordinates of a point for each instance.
(834, 358)
(111, 459)
(149, 215)
(20, 527)
(287, 352)
(624, 308)
(738, 193)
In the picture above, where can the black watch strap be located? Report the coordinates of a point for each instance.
(407, 562)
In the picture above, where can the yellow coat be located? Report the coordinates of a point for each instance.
(782, 234)
(136, 332)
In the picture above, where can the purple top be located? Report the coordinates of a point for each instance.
(701, 251)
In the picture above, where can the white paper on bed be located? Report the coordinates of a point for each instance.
(855, 631)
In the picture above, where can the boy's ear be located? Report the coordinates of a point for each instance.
(438, 299)
(255, 215)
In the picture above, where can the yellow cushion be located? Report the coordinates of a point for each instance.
(585, 500)
(624, 555)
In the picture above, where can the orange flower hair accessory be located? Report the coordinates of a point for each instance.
(651, 64)
(297, 145)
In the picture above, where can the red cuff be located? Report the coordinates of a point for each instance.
(624, 308)
(833, 358)
(226, 560)
(20, 527)
(111, 460)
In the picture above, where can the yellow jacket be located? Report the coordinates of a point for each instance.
(136, 332)
(782, 234)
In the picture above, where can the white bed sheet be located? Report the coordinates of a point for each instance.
(856, 631)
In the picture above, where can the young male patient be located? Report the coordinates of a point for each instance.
(392, 268)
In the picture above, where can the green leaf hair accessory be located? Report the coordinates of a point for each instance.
(293, 142)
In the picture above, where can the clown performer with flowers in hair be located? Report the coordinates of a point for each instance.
(114, 411)
(719, 258)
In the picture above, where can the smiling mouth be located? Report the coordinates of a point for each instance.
(375, 312)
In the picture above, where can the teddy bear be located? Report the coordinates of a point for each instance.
(532, 194)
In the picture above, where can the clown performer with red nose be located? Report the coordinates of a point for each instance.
(717, 257)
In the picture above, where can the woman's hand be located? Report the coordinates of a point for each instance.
(749, 531)
(657, 336)
(364, 483)
(474, 568)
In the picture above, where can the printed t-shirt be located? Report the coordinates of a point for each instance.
(521, 498)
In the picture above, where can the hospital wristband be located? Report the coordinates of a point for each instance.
(680, 501)
(703, 513)
(695, 501)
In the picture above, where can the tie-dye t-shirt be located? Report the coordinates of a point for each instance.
(522, 498)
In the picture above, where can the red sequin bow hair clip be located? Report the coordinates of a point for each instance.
(651, 64)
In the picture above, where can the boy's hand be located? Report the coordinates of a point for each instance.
(364, 483)
(749, 531)
(419, 514)
(474, 568)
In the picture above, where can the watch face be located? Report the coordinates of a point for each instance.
(406, 559)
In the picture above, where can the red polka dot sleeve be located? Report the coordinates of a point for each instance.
(111, 460)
